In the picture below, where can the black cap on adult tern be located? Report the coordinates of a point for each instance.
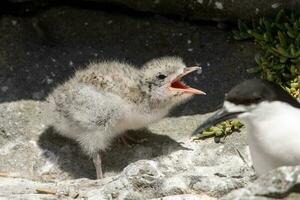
(250, 92)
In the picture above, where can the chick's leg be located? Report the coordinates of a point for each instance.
(98, 165)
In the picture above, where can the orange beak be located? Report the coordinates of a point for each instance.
(177, 85)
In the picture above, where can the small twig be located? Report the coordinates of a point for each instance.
(45, 191)
(3, 174)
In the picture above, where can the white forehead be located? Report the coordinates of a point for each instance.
(245, 109)
(231, 107)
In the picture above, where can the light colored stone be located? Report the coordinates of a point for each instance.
(279, 183)
(187, 197)
(181, 166)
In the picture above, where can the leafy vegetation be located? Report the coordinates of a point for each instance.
(279, 61)
(279, 40)
(221, 130)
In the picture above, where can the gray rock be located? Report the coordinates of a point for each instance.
(174, 165)
(186, 197)
(279, 183)
(17, 188)
(217, 10)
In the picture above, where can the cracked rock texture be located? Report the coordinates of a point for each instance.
(165, 163)
(283, 182)
(41, 50)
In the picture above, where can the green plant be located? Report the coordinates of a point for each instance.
(220, 130)
(279, 40)
(279, 61)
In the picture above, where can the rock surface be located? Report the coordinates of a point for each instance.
(165, 163)
(217, 10)
(283, 182)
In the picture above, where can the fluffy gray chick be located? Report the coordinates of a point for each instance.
(105, 99)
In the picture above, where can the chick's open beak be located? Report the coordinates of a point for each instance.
(177, 85)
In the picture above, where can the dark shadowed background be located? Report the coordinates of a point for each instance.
(41, 46)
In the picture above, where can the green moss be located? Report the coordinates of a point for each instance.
(279, 40)
(222, 129)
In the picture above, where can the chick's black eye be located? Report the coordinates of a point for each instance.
(161, 76)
